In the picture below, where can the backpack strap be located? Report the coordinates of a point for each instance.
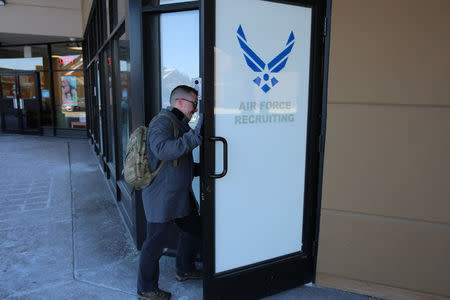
(175, 135)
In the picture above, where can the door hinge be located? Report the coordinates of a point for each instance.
(325, 26)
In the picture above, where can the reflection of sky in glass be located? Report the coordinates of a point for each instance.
(179, 50)
(21, 63)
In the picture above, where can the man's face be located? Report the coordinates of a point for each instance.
(186, 107)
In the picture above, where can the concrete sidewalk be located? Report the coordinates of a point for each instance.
(61, 236)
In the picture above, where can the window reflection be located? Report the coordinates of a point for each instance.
(46, 116)
(27, 87)
(24, 58)
(30, 105)
(108, 65)
(99, 106)
(8, 84)
(69, 99)
(179, 51)
(124, 57)
(67, 56)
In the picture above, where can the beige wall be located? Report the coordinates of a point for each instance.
(44, 17)
(386, 194)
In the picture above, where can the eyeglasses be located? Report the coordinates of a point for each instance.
(194, 104)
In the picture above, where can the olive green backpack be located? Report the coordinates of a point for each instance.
(136, 168)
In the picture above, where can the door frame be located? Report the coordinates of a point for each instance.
(36, 76)
(250, 282)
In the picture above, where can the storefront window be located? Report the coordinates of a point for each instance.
(8, 84)
(24, 58)
(124, 57)
(108, 65)
(67, 56)
(46, 112)
(68, 82)
(99, 106)
(179, 65)
(69, 99)
(27, 87)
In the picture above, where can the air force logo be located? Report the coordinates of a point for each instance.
(265, 79)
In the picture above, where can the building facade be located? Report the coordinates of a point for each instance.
(381, 207)
(384, 224)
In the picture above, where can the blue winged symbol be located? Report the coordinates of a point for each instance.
(265, 79)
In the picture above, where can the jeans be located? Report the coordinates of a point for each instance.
(152, 249)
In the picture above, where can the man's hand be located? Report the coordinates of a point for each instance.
(199, 124)
(196, 137)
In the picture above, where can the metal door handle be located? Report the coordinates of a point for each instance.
(225, 156)
(21, 103)
(15, 102)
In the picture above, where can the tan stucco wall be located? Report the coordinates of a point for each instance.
(44, 17)
(386, 193)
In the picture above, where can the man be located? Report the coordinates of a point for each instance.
(170, 199)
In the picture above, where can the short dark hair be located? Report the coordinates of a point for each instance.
(183, 89)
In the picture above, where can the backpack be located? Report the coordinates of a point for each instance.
(136, 168)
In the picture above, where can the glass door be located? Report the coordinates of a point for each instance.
(262, 83)
(9, 105)
(29, 102)
(20, 103)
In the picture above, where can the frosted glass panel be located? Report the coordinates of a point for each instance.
(261, 107)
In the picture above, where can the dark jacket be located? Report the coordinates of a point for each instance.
(170, 195)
